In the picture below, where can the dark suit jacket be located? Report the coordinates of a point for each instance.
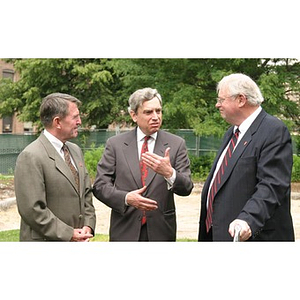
(48, 201)
(256, 184)
(118, 173)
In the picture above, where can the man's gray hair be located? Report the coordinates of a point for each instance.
(56, 104)
(242, 84)
(140, 96)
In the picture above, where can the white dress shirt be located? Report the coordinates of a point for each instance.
(57, 144)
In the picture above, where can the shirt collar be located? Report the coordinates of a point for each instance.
(141, 135)
(247, 123)
(53, 140)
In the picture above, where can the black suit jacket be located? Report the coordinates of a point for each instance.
(256, 185)
(118, 173)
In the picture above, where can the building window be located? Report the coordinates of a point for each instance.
(6, 73)
(7, 124)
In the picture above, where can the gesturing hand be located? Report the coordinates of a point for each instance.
(135, 199)
(159, 164)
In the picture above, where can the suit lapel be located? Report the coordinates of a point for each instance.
(131, 156)
(59, 162)
(243, 144)
(159, 149)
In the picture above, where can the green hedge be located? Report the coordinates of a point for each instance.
(200, 166)
(296, 169)
(91, 159)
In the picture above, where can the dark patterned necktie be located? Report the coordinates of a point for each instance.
(217, 181)
(144, 170)
(71, 166)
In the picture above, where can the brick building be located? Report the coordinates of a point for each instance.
(10, 124)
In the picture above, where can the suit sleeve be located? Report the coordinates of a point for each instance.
(183, 184)
(31, 199)
(274, 165)
(104, 187)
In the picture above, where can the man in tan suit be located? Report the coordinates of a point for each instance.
(143, 210)
(54, 199)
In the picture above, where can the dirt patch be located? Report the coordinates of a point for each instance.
(188, 211)
(7, 188)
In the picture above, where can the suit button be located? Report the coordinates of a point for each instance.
(80, 217)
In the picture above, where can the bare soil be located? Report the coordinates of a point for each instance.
(188, 211)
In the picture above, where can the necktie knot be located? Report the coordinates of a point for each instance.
(237, 132)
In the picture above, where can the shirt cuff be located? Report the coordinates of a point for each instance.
(171, 179)
(126, 200)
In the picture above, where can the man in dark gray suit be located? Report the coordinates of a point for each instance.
(55, 199)
(143, 211)
(250, 187)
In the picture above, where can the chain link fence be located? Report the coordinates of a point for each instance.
(11, 145)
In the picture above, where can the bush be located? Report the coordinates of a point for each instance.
(200, 166)
(296, 169)
(91, 159)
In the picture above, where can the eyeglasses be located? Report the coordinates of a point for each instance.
(221, 100)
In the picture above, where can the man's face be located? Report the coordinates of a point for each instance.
(228, 106)
(70, 124)
(148, 116)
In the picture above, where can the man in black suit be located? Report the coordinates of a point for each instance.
(252, 190)
(143, 209)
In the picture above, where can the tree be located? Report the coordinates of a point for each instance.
(90, 80)
(187, 86)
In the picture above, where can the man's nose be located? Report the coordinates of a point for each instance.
(154, 115)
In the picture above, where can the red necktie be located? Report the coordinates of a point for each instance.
(144, 170)
(217, 180)
(69, 163)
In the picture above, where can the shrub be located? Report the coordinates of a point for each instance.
(91, 159)
(200, 166)
(296, 169)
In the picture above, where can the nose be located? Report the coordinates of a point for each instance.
(218, 105)
(154, 115)
(78, 121)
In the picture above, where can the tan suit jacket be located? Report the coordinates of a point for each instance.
(48, 201)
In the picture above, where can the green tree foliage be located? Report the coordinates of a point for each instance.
(188, 88)
(90, 80)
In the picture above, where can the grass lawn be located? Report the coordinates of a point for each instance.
(13, 236)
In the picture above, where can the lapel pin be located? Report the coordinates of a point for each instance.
(245, 143)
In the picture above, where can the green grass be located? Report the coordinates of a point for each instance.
(13, 236)
(9, 235)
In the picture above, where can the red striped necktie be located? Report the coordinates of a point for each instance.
(217, 181)
(144, 170)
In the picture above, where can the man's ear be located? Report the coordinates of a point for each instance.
(242, 99)
(56, 123)
(133, 116)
